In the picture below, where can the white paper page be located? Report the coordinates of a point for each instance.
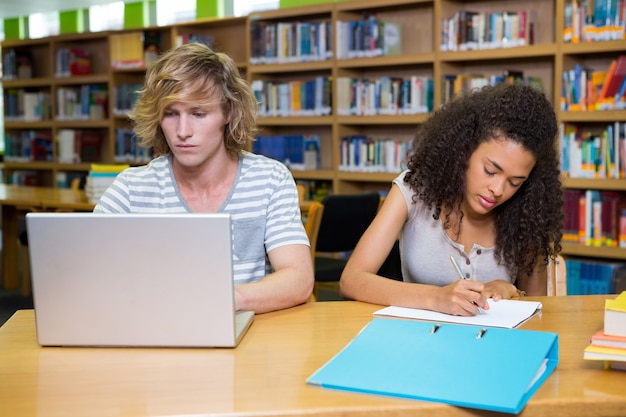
(503, 313)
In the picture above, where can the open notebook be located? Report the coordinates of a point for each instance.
(503, 313)
(163, 280)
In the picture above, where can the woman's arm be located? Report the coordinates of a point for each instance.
(535, 284)
(360, 281)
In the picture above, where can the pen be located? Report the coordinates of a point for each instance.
(461, 275)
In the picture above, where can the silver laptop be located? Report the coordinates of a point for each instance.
(152, 280)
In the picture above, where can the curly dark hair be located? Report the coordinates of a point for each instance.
(528, 225)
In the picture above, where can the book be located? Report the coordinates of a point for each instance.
(392, 38)
(615, 315)
(503, 313)
(614, 83)
(594, 276)
(602, 353)
(607, 81)
(127, 50)
(606, 340)
(422, 361)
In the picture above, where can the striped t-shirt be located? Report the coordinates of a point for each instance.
(263, 204)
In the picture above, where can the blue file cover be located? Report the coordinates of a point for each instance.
(487, 368)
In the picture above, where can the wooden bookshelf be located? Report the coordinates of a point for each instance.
(421, 54)
(227, 35)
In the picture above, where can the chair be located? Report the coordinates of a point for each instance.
(312, 220)
(301, 192)
(344, 220)
(312, 224)
(557, 276)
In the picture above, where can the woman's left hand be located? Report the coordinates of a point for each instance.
(499, 290)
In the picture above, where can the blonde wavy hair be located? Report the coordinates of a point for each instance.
(194, 72)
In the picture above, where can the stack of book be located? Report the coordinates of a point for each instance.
(99, 178)
(609, 344)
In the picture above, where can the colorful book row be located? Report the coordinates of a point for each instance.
(124, 98)
(72, 61)
(588, 276)
(368, 37)
(297, 152)
(127, 149)
(594, 21)
(458, 84)
(85, 102)
(384, 96)
(472, 30)
(16, 65)
(585, 89)
(593, 152)
(594, 218)
(283, 42)
(294, 98)
(28, 145)
(365, 154)
(27, 106)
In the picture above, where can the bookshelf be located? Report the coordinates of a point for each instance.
(543, 55)
(422, 53)
(103, 93)
(271, 67)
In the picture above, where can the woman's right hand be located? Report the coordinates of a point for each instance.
(462, 298)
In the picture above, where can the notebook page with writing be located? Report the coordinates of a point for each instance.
(503, 313)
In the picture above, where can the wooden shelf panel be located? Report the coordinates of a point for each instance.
(44, 82)
(404, 119)
(595, 184)
(295, 121)
(28, 125)
(388, 61)
(590, 48)
(532, 51)
(381, 177)
(593, 116)
(309, 66)
(320, 174)
(570, 249)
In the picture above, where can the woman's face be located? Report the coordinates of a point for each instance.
(496, 170)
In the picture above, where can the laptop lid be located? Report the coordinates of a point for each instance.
(162, 280)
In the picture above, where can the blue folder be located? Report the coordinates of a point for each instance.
(486, 368)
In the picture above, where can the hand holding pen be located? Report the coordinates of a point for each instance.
(462, 276)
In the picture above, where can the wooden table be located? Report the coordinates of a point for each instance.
(265, 375)
(16, 199)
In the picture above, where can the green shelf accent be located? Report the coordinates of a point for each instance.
(136, 15)
(15, 28)
(214, 8)
(72, 21)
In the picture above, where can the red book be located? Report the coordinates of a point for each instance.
(607, 81)
(616, 80)
(601, 339)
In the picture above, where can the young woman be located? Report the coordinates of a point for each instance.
(482, 187)
(198, 115)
